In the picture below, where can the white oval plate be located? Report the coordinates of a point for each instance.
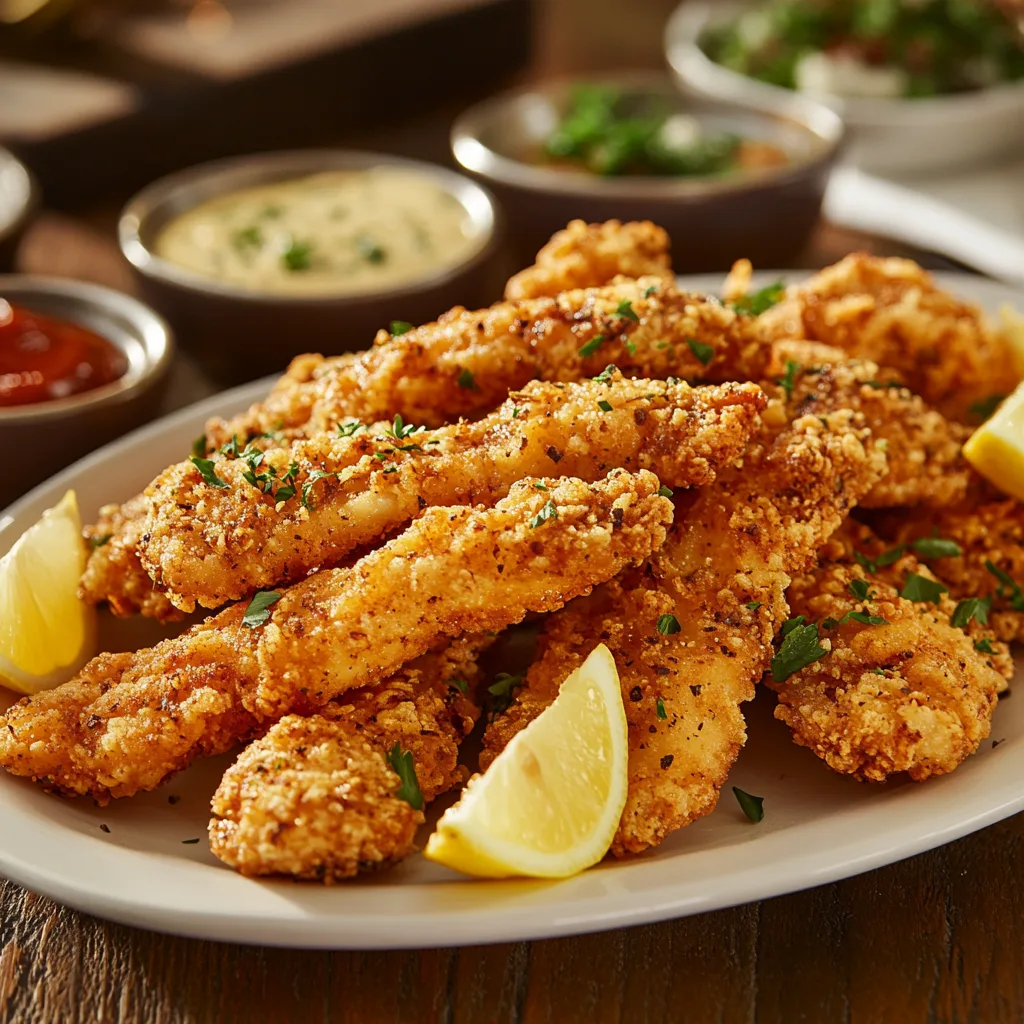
(818, 827)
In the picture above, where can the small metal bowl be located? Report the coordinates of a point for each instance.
(239, 334)
(18, 199)
(711, 220)
(41, 438)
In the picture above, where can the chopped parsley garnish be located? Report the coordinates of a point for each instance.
(259, 608)
(971, 608)
(879, 384)
(1007, 588)
(984, 409)
(649, 291)
(936, 547)
(348, 429)
(199, 446)
(549, 511)
(99, 542)
(287, 487)
(400, 327)
(865, 619)
(540, 486)
(861, 590)
(369, 250)
(502, 690)
(752, 606)
(247, 238)
(752, 806)
(399, 430)
(297, 256)
(604, 406)
(659, 705)
(625, 309)
(878, 671)
(232, 449)
(920, 588)
(591, 347)
(409, 790)
(466, 380)
(307, 487)
(208, 472)
(515, 412)
(799, 649)
(984, 646)
(459, 684)
(789, 380)
(703, 353)
(605, 376)
(668, 624)
(790, 624)
(874, 564)
(763, 299)
(665, 492)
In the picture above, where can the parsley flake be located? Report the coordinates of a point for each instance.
(648, 292)
(1007, 588)
(703, 353)
(865, 619)
(665, 492)
(752, 606)
(604, 406)
(590, 348)
(752, 806)
(502, 690)
(199, 446)
(247, 238)
(259, 608)
(790, 624)
(208, 472)
(297, 256)
(984, 646)
(659, 705)
(307, 487)
(799, 649)
(971, 608)
(466, 380)
(399, 430)
(936, 547)
(549, 511)
(668, 624)
(605, 376)
(540, 486)
(370, 250)
(861, 590)
(409, 790)
(99, 542)
(920, 588)
(400, 327)
(459, 684)
(348, 429)
(625, 309)
(763, 299)
(789, 380)
(881, 384)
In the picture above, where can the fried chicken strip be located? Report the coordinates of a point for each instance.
(315, 797)
(210, 544)
(890, 311)
(589, 255)
(454, 570)
(925, 461)
(912, 693)
(721, 576)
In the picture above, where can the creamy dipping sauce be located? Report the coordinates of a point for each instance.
(335, 232)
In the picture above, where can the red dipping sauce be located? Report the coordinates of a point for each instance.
(43, 358)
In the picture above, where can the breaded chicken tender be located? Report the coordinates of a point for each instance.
(692, 630)
(454, 570)
(890, 311)
(314, 800)
(209, 544)
(589, 255)
(925, 461)
(910, 693)
(466, 363)
(989, 530)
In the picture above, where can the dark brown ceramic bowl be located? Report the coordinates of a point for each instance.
(239, 334)
(18, 200)
(766, 217)
(39, 439)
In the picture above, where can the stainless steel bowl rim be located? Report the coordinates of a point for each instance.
(154, 335)
(696, 70)
(472, 153)
(286, 165)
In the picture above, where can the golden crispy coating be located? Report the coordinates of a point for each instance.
(314, 800)
(722, 574)
(889, 310)
(466, 363)
(911, 694)
(211, 544)
(590, 255)
(989, 530)
(113, 572)
(923, 448)
(454, 570)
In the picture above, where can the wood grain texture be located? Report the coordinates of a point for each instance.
(938, 938)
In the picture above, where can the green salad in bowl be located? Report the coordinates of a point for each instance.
(878, 49)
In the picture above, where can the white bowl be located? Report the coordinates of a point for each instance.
(909, 135)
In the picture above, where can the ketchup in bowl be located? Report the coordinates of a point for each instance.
(43, 358)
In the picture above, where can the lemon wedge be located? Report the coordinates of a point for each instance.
(550, 803)
(46, 632)
(996, 448)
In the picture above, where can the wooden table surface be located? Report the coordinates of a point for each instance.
(939, 937)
